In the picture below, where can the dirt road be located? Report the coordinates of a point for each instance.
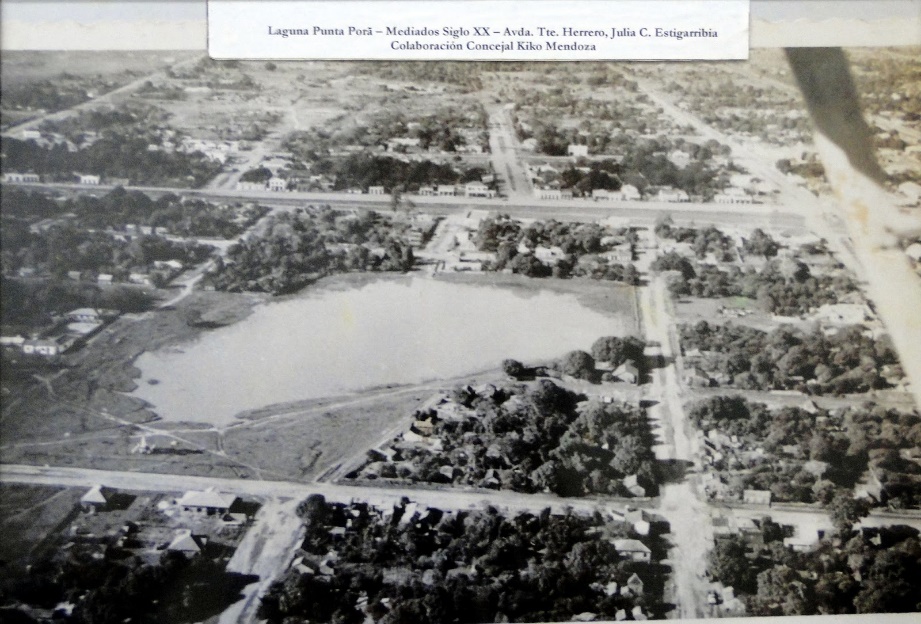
(265, 551)
(503, 145)
(380, 496)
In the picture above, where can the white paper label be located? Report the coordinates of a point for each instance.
(479, 30)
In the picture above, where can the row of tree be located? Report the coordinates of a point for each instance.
(110, 585)
(187, 217)
(115, 155)
(840, 445)
(65, 248)
(783, 286)
(363, 170)
(30, 304)
(580, 242)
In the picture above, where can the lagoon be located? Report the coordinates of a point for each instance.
(328, 342)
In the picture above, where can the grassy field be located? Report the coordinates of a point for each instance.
(691, 310)
(28, 514)
(83, 416)
(20, 67)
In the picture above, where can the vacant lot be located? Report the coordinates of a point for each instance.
(52, 81)
(82, 416)
(28, 514)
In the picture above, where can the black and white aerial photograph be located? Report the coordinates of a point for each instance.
(457, 342)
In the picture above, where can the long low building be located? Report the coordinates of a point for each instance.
(208, 501)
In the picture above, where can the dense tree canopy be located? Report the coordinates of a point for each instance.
(468, 566)
(294, 249)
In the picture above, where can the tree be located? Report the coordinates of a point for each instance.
(578, 364)
(609, 349)
(513, 368)
(761, 244)
(781, 591)
(729, 563)
(887, 586)
(846, 511)
(313, 509)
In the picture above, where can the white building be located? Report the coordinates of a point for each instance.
(672, 196)
(478, 189)
(733, 195)
(208, 501)
(277, 184)
(21, 177)
(628, 192)
(250, 186)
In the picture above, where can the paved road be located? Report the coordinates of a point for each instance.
(444, 499)
(636, 212)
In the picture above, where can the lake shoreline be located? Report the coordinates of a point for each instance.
(355, 332)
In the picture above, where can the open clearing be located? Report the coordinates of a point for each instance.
(28, 513)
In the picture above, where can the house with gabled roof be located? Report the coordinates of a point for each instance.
(627, 372)
(209, 501)
(185, 542)
(632, 483)
(633, 549)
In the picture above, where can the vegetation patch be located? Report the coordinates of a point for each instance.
(808, 454)
(530, 437)
(416, 564)
(296, 248)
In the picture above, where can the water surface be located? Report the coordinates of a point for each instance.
(328, 342)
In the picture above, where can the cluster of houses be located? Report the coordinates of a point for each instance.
(84, 179)
(224, 509)
(158, 273)
(396, 459)
(413, 145)
(16, 177)
(545, 180)
(70, 330)
(275, 184)
(476, 188)
(745, 189)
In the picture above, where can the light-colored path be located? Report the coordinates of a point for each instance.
(444, 499)
(504, 149)
(265, 551)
